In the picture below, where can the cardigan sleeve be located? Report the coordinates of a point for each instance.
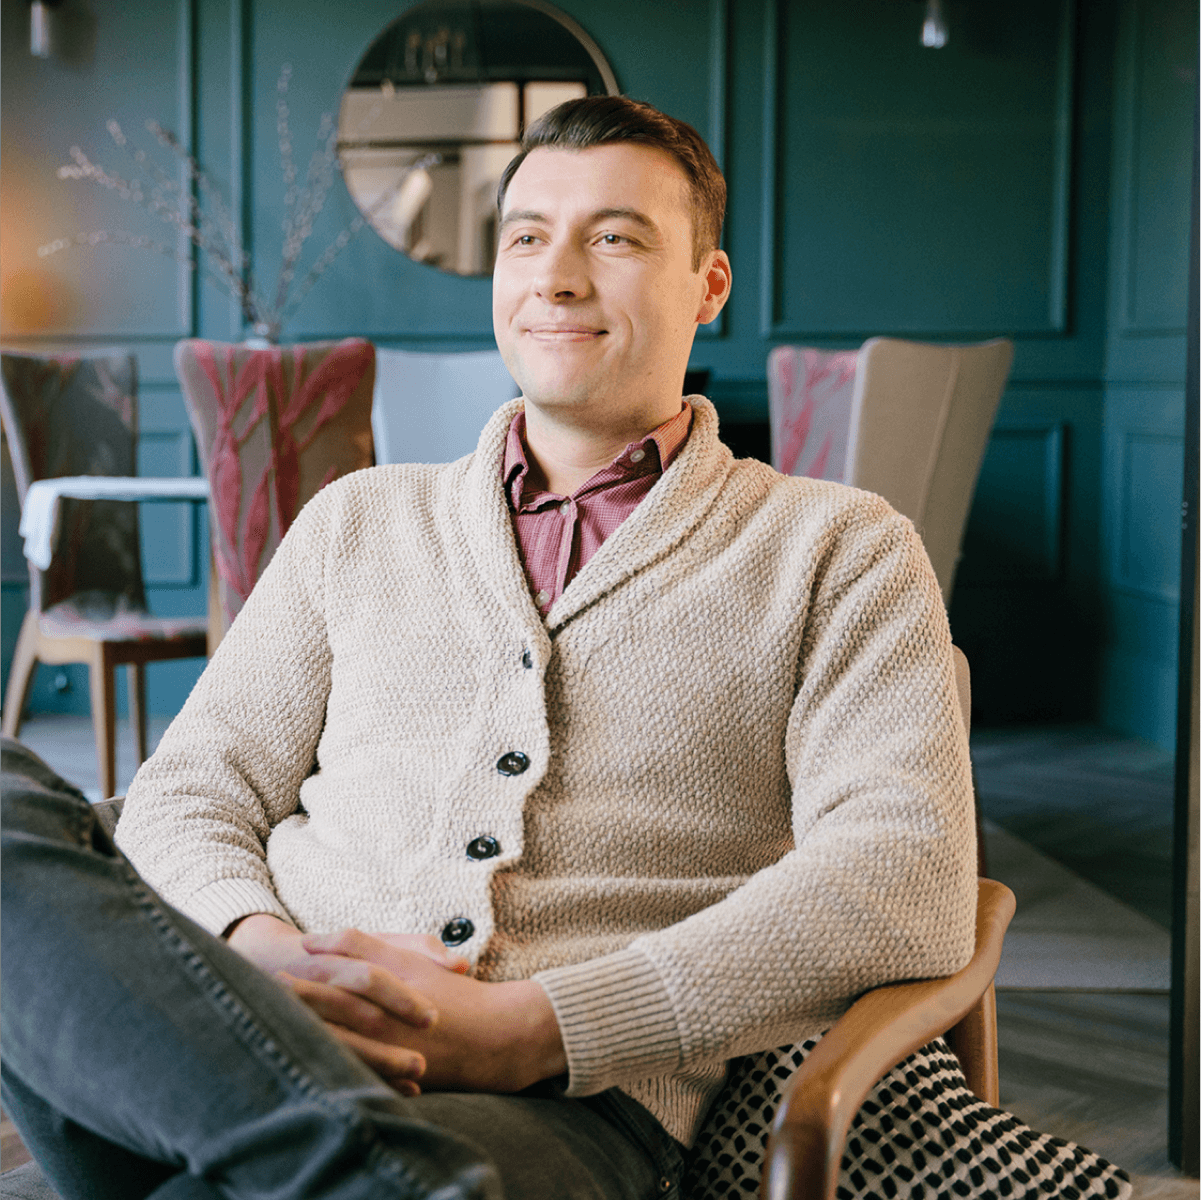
(880, 884)
(230, 766)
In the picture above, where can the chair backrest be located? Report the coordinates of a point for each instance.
(920, 421)
(273, 427)
(809, 394)
(431, 407)
(70, 414)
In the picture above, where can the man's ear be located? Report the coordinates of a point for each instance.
(718, 278)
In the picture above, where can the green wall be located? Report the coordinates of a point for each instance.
(1030, 179)
(1143, 424)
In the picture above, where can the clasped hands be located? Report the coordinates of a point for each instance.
(405, 1006)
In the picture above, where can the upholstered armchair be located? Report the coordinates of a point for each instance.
(907, 420)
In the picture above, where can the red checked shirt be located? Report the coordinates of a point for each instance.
(556, 535)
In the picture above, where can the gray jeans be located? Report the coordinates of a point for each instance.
(143, 1057)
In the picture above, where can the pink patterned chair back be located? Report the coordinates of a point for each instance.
(809, 394)
(78, 415)
(274, 426)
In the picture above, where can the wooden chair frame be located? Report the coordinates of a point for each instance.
(882, 1028)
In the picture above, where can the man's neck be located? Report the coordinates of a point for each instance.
(564, 455)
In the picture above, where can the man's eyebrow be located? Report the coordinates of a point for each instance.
(522, 214)
(601, 214)
(626, 214)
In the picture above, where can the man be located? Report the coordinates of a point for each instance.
(582, 765)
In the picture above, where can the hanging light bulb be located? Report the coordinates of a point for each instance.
(934, 28)
(39, 29)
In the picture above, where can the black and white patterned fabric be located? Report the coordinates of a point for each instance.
(921, 1134)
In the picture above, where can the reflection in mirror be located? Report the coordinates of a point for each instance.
(436, 109)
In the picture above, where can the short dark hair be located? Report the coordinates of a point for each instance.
(601, 120)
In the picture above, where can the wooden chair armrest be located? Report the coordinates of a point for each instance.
(882, 1028)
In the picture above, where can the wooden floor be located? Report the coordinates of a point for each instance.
(1088, 1065)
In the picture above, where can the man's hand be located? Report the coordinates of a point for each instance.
(487, 1037)
(278, 948)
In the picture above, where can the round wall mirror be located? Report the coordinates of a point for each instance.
(436, 109)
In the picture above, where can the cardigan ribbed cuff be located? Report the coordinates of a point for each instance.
(220, 904)
(616, 1019)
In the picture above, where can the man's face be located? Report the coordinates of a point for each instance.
(594, 300)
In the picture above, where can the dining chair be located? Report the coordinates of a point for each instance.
(77, 415)
(916, 416)
(274, 425)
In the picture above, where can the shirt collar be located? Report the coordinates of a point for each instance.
(658, 449)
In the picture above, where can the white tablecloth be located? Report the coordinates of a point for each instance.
(39, 515)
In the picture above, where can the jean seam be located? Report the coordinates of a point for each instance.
(255, 1039)
(667, 1158)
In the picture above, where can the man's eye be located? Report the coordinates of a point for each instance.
(612, 239)
(526, 239)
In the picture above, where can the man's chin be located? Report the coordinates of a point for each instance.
(561, 396)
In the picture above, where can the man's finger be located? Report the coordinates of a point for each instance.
(380, 947)
(396, 1066)
(373, 983)
(430, 946)
(335, 1004)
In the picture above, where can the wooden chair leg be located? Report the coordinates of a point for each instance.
(20, 675)
(104, 719)
(135, 677)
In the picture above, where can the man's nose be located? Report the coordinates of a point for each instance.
(562, 274)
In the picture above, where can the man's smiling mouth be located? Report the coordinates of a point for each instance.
(564, 333)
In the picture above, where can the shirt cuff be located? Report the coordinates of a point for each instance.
(616, 1019)
(218, 905)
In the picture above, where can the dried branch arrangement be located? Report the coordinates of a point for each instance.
(190, 203)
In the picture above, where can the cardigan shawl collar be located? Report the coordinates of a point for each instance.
(671, 510)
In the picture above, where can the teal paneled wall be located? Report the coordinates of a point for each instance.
(915, 191)
(132, 62)
(1156, 73)
(875, 187)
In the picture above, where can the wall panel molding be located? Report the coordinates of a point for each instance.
(1145, 554)
(168, 531)
(1152, 157)
(1143, 464)
(1016, 530)
(719, 73)
(1002, 299)
(107, 293)
(189, 100)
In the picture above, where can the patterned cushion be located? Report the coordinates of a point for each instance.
(105, 617)
(920, 1134)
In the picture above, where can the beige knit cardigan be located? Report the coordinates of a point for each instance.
(748, 793)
